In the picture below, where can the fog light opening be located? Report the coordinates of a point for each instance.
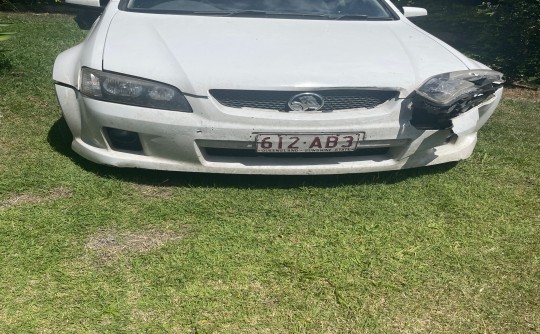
(451, 139)
(123, 140)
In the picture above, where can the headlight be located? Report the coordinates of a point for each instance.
(124, 89)
(445, 90)
(447, 95)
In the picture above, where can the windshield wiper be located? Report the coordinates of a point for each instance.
(353, 17)
(259, 13)
(249, 12)
(350, 17)
(262, 13)
(231, 13)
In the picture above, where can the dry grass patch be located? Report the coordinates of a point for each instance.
(522, 94)
(108, 245)
(24, 199)
(155, 191)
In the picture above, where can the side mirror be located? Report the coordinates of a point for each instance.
(414, 11)
(86, 3)
(89, 11)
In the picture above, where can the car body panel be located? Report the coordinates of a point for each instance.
(89, 3)
(89, 53)
(268, 53)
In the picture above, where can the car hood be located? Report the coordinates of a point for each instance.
(199, 53)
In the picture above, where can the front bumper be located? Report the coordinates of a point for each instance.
(215, 138)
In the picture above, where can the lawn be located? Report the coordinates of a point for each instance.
(92, 249)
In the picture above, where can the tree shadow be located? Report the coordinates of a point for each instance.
(5, 63)
(85, 18)
(59, 137)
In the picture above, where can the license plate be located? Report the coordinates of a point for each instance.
(294, 143)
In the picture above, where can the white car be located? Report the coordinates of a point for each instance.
(270, 87)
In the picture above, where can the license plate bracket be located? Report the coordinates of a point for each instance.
(308, 142)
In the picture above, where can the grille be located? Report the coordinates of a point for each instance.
(278, 100)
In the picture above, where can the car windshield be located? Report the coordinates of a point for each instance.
(312, 9)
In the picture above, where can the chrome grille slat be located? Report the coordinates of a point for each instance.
(337, 99)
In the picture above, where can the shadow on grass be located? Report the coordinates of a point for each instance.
(5, 63)
(60, 138)
(86, 18)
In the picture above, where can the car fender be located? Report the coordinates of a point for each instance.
(89, 53)
(67, 66)
(67, 98)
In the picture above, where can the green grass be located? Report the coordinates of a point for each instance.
(91, 249)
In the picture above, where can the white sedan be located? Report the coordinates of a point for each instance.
(270, 87)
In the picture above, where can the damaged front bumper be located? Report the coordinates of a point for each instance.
(219, 141)
(446, 96)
